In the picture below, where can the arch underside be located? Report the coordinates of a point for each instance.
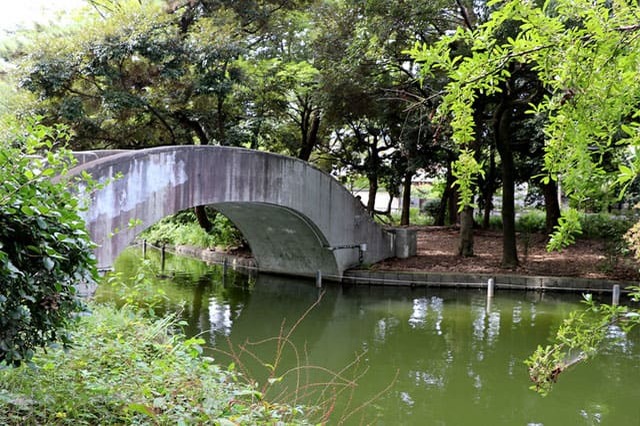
(281, 239)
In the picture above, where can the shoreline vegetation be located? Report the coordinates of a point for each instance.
(128, 368)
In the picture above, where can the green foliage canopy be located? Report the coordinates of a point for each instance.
(137, 77)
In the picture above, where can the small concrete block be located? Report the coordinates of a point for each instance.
(406, 242)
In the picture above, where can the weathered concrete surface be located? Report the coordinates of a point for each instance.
(406, 242)
(297, 219)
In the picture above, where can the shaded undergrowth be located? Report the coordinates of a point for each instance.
(126, 368)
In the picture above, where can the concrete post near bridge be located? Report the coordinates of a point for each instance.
(405, 242)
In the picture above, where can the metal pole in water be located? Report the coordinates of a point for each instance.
(616, 295)
(225, 266)
(319, 279)
(162, 256)
(490, 285)
(144, 249)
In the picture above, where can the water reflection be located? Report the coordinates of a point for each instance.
(220, 319)
(450, 360)
(421, 307)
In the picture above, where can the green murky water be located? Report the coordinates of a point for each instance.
(422, 356)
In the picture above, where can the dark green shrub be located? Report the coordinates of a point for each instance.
(431, 207)
(44, 246)
(605, 226)
(495, 222)
(531, 222)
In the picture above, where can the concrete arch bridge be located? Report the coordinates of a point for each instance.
(296, 218)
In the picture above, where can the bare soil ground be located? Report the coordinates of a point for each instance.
(586, 259)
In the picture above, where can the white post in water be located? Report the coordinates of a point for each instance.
(490, 285)
(616, 295)
(319, 279)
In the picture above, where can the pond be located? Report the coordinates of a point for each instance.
(418, 356)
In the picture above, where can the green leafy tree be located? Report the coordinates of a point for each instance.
(45, 250)
(585, 54)
(370, 85)
(137, 77)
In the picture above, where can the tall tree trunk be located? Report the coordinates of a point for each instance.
(309, 136)
(488, 191)
(406, 199)
(502, 135)
(373, 192)
(465, 246)
(551, 205)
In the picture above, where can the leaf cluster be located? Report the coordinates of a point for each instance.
(45, 250)
(578, 338)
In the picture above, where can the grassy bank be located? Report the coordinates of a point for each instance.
(125, 368)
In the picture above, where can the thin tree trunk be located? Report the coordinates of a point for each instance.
(310, 137)
(551, 205)
(465, 246)
(220, 122)
(406, 199)
(446, 195)
(509, 247)
(489, 191)
(502, 135)
(200, 212)
(452, 205)
(373, 192)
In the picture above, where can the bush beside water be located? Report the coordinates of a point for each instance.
(183, 229)
(125, 368)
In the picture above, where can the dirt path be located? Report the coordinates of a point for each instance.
(586, 259)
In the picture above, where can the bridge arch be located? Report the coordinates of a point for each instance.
(296, 218)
